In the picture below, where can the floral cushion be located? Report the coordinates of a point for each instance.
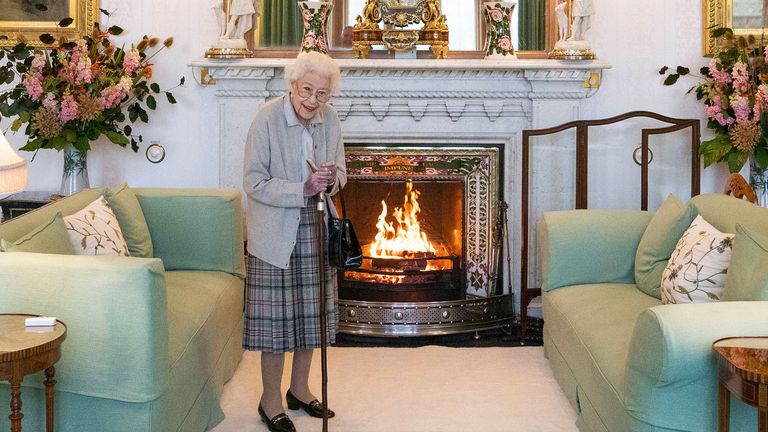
(697, 269)
(94, 230)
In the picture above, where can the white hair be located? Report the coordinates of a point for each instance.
(316, 62)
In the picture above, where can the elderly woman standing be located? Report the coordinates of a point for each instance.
(282, 300)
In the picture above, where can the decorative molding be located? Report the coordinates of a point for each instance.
(455, 108)
(226, 93)
(221, 71)
(557, 74)
(493, 109)
(433, 94)
(556, 95)
(379, 108)
(418, 108)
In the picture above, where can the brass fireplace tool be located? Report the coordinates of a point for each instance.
(499, 242)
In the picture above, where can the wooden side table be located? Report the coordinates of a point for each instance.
(22, 202)
(24, 350)
(743, 371)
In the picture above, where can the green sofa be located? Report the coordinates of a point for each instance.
(626, 362)
(151, 341)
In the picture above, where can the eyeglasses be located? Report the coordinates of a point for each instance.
(322, 96)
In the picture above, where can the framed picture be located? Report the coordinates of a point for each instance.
(29, 19)
(744, 17)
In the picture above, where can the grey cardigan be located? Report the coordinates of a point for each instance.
(273, 173)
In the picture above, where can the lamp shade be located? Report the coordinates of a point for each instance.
(13, 169)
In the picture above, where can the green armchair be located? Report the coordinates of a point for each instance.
(151, 341)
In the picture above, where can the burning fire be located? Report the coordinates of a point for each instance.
(403, 238)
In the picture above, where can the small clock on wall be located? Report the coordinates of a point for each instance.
(155, 153)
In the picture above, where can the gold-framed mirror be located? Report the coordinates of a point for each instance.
(745, 17)
(471, 29)
(30, 19)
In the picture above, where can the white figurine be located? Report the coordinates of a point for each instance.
(582, 11)
(221, 17)
(241, 14)
(562, 19)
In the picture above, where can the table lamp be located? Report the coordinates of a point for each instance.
(13, 169)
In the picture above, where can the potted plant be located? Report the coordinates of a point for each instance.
(71, 93)
(734, 91)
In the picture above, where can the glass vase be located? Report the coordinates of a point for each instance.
(498, 24)
(315, 16)
(75, 175)
(758, 181)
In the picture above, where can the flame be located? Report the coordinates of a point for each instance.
(403, 238)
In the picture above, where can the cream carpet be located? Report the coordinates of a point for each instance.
(427, 389)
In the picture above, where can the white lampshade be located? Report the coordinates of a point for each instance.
(13, 169)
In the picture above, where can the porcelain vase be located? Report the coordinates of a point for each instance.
(315, 16)
(498, 24)
(75, 176)
(758, 180)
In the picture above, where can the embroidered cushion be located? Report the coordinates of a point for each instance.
(50, 237)
(659, 239)
(697, 269)
(94, 230)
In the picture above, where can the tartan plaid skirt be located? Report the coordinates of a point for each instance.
(282, 306)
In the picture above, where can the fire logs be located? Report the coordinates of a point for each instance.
(413, 263)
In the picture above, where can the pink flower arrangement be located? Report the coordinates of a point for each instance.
(73, 92)
(734, 91)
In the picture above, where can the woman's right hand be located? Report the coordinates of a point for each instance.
(317, 182)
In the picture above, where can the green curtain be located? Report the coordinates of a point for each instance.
(531, 22)
(280, 24)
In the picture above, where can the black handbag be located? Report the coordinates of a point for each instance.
(343, 248)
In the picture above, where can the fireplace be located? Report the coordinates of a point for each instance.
(411, 233)
(448, 102)
(424, 217)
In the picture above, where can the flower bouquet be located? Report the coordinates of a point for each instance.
(73, 92)
(734, 90)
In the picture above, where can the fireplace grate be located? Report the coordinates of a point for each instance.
(424, 318)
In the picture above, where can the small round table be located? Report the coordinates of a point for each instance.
(24, 350)
(743, 371)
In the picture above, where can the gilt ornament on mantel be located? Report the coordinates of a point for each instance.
(572, 43)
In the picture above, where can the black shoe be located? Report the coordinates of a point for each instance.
(278, 423)
(314, 408)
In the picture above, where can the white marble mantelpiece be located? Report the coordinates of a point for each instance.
(454, 101)
(392, 98)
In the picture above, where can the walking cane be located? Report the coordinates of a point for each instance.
(320, 226)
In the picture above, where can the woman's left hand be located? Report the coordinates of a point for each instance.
(330, 166)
